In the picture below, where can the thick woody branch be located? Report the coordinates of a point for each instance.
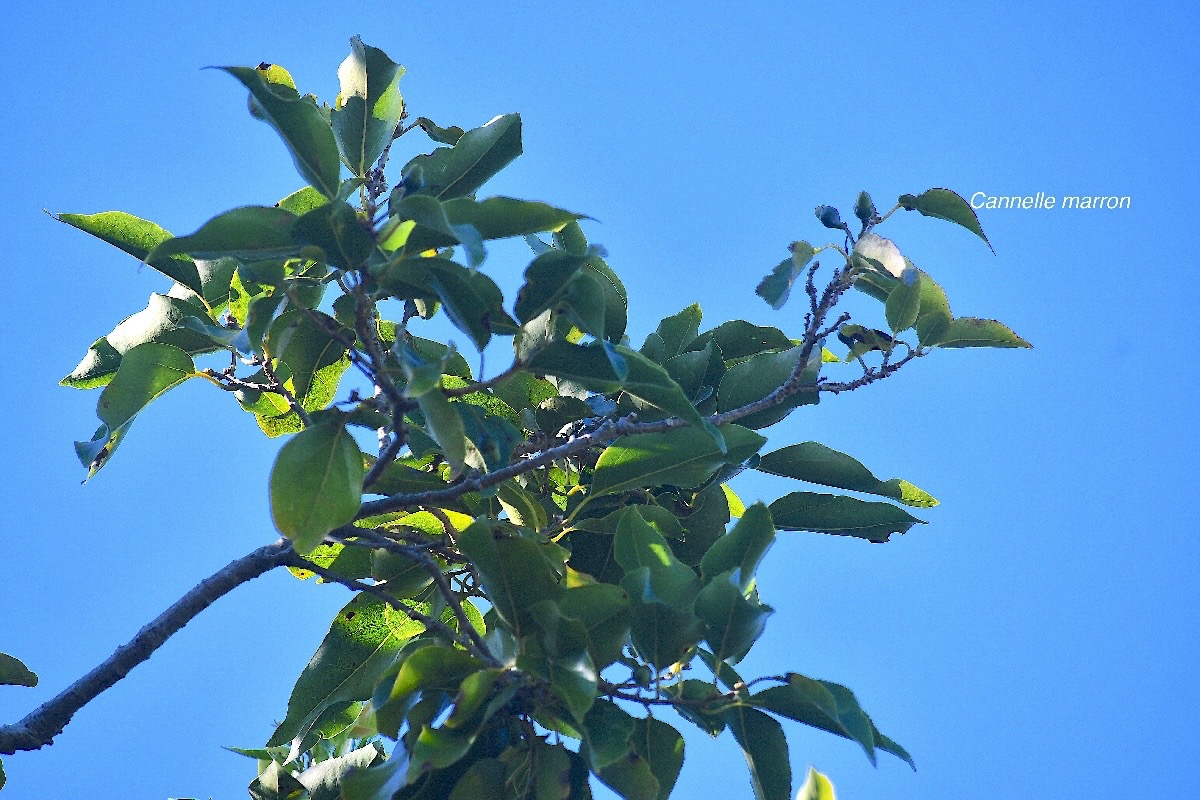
(39, 728)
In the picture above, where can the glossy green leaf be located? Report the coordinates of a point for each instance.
(503, 217)
(732, 622)
(759, 376)
(546, 280)
(678, 330)
(418, 223)
(862, 340)
(459, 171)
(947, 205)
(368, 107)
(137, 237)
(663, 628)
(903, 305)
(15, 673)
(934, 316)
(449, 135)
(445, 426)
(604, 611)
(612, 756)
(348, 560)
(316, 484)
(431, 667)
(593, 366)
(816, 463)
(146, 372)
(304, 342)
(972, 332)
(584, 304)
(338, 231)
(651, 384)
(379, 782)
(766, 751)
(816, 787)
(275, 783)
(681, 457)
(661, 746)
(821, 704)
(471, 300)
(742, 548)
(637, 544)
(163, 321)
(249, 233)
(560, 657)
(844, 516)
(363, 642)
(515, 573)
(616, 300)
(521, 506)
(301, 125)
(739, 339)
(302, 201)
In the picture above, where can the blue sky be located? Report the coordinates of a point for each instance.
(1037, 639)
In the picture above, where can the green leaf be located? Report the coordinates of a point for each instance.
(418, 223)
(560, 656)
(742, 548)
(677, 331)
(302, 340)
(146, 372)
(301, 125)
(3, 779)
(766, 751)
(250, 233)
(903, 304)
(661, 746)
(934, 316)
(459, 171)
(137, 237)
(639, 545)
(663, 628)
(484, 778)
(776, 287)
(760, 375)
(337, 230)
(15, 673)
(651, 384)
(947, 205)
(612, 756)
(163, 321)
(739, 339)
(683, 457)
(502, 217)
(379, 782)
(816, 787)
(363, 642)
(445, 426)
(593, 366)
(546, 280)
(521, 506)
(316, 484)
(604, 611)
(432, 667)
(441, 135)
(276, 784)
(732, 622)
(972, 332)
(844, 516)
(821, 704)
(324, 780)
(302, 201)
(368, 108)
(515, 573)
(816, 463)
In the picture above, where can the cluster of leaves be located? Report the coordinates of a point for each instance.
(543, 558)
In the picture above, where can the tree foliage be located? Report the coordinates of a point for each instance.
(551, 571)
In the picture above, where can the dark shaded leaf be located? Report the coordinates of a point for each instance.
(742, 548)
(249, 233)
(661, 746)
(844, 516)
(766, 751)
(758, 376)
(515, 573)
(459, 171)
(816, 463)
(972, 332)
(681, 457)
(15, 673)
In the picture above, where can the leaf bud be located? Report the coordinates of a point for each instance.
(830, 217)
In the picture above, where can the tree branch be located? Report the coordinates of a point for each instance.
(39, 728)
